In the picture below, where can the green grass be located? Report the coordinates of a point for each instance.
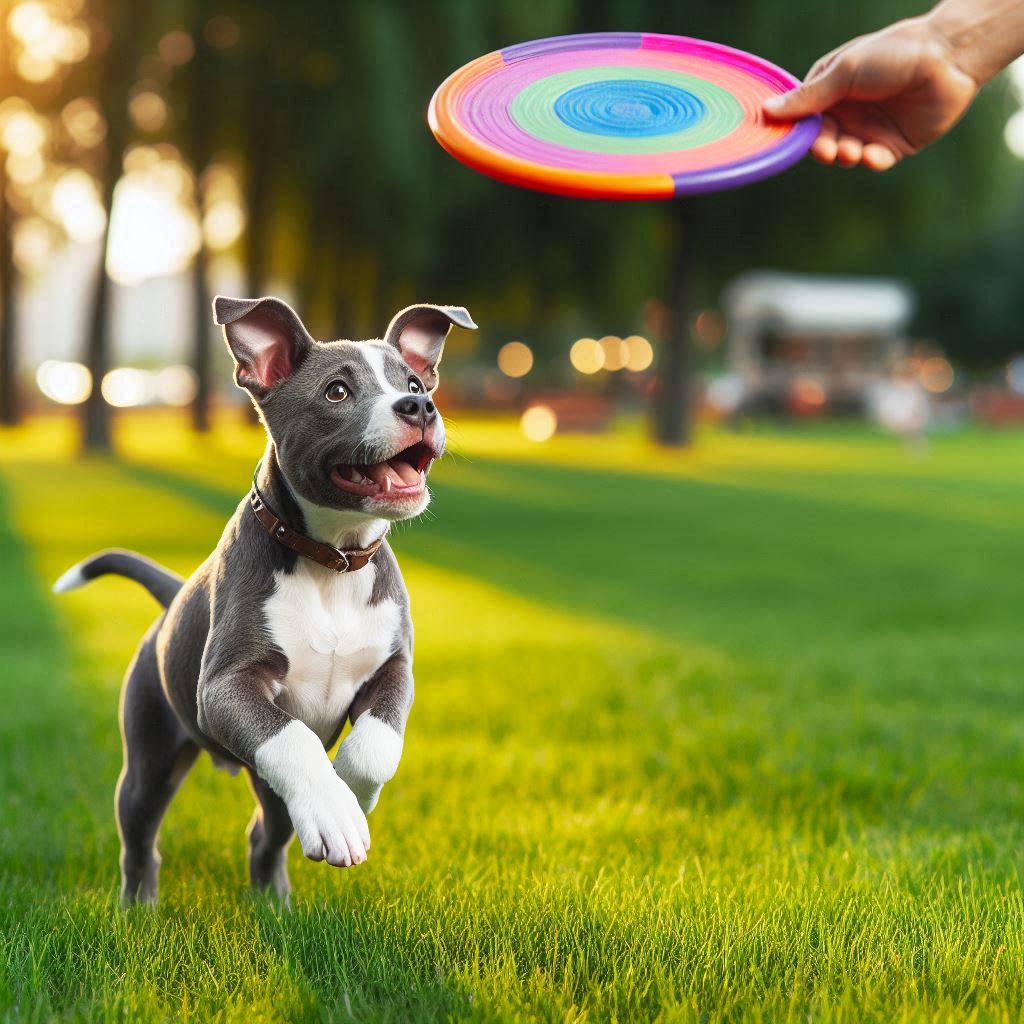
(733, 735)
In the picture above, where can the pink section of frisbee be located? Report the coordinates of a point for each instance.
(483, 109)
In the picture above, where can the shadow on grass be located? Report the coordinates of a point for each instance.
(793, 578)
(48, 759)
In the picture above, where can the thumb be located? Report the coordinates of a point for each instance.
(813, 96)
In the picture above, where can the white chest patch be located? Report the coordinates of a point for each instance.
(333, 638)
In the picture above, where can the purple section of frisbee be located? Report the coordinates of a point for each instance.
(757, 166)
(761, 165)
(567, 44)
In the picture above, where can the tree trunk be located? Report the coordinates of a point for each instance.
(115, 82)
(673, 402)
(258, 153)
(9, 405)
(95, 413)
(201, 96)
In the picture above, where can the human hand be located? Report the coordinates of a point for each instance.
(883, 96)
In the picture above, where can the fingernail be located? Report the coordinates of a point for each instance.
(774, 103)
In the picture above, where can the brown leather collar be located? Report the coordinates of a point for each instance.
(323, 554)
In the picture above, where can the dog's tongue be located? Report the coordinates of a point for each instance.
(409, 474)
(388, 475)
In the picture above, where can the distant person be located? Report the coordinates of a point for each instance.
(899, 404)
(887, 95)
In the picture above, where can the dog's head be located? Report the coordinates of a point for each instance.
(353, 422)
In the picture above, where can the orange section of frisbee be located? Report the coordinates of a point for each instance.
(459, 143)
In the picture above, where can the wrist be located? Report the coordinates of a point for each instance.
(980, 38)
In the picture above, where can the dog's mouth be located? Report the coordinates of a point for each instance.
(403, 475)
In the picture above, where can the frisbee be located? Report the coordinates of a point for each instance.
(619, 115)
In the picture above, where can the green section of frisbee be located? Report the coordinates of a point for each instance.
(533, 110)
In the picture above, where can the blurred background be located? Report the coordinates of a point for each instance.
(154, 154)
(725, 731)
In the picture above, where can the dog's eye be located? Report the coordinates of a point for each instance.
(415, 386)
(336, 391)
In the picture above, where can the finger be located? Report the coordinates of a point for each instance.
(823, 149)
(820, 66)
(878, 157)
(849, 150)
(814, 96)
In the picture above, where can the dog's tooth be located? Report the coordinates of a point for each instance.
(387, 485)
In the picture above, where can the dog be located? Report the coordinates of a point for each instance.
(299, 619)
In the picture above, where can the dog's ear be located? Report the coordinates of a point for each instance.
(418, 333)
(266, 338)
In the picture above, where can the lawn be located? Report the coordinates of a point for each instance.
(732, 735)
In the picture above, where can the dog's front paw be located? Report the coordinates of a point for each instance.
(330, 824)
(368, 758)
(327, 817)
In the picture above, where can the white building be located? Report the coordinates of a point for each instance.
(832, 339)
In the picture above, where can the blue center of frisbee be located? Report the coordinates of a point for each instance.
(628, 108)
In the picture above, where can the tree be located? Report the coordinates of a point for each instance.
(200, 115)
(124, 19)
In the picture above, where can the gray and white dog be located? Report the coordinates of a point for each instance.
(299, 619)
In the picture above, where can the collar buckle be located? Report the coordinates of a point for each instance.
(342, 564)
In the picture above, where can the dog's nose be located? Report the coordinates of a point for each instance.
(418, 410)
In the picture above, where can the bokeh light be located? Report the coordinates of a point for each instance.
(46, 42)
(615, 352)
(75, 203)
(223, 224)
(64, 383)
(1015, 375)
(126, 387)
(639, 353)
(1013, 134)
(539, 423)
(725, 394)
(25, 168)
(83, 121)
(806, 396)
(586, 356)
(22, 132)
(29, 23)
(33, 243)
(937, 375)
(72, 44)
(709, 328)
(515, 359)
(175, 385)
(148, 111)
(224, 219)
(176, 48)
(34, 68)
(153, 228)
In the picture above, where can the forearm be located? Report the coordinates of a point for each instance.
(369, 755)
(984, 36)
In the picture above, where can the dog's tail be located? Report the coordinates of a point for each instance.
(160, 582)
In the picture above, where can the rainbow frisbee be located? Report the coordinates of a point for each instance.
(619, 115)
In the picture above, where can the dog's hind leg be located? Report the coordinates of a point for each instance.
(157, 755)
(270, 832)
